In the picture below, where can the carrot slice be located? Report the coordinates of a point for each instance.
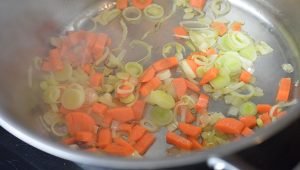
(284, 90)
(195, 143)
(265, 117)
(149, 86)
(122, 4)
(83, 136)
(87, 68)
(189, 129)
(220, 27)
(78, 121)
(104, 137)
(107, 121)
(189, 117)
(180, 31)
(192, 86)
(209, 75)
(202, 103)
(247, 132)
(96, 79)
(263, 108)
(148, 75)
(101, 42)
(125, 127)
(192, 64)
(138, 109)
(229, 126)
(69, 140)
(144, 143)
(137, 133)
(121, 114)
(165, 63)
(198, 4)
(236, 26)
(210, 51)
(180, 87)
(120, 141)
(141, 4)
(245, 76)
(99, 108)
(249, 121)
(178, 141)
(118, 150)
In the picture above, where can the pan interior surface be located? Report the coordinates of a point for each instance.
(261, 23)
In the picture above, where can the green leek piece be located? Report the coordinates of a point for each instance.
(51, 94)
(72, 98)
(65, 74)
(134, 69)
(107, 16)
(231, 62)
(259, 122)
(128, 99)
(220, 82)
(248, 109)
(161, 116)
(162, 99)
(249, 52)
(154, 11)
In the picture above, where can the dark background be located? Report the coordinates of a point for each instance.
(281, 152)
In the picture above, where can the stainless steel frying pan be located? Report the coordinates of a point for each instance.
(26, 25)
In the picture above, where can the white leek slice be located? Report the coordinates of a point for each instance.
(154, 11)
(65, 74)
(263, 48)
(72, 98)
(162, 99)
(187, 69)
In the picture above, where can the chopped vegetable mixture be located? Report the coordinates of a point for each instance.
(110, 106)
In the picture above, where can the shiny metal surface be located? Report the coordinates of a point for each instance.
(27, 24)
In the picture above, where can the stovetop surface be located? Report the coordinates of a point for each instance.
(279, 152)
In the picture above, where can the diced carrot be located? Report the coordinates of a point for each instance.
(69, 140)
(192, 86)
(284, 90)
(190, 130)
(149, 86)
(106, 121)
(165, 63)
(46, 66)
(199, 4)
(118, 150)
(209, 75)
(137, 133)
(96, 79)
(76, 36)
(99, 108)
(180, 87)
(247, 131)
(148, 75)
(263, 108)
(55, 59)
(202, 103)
(178, 141)
(180, 31)
(87, 68)
(195, 143)
(121, 114)
(189, 117)
(125, 127)
(141, 4)
(122, 4)
(245, 76)
(144, 143)
(220, 27)
(229, 126)
(249, 121)
(210, 52)
(138, 108)
(236, 26)
(266, 118)
(192, 64)
(120, 141)
(78, 121)
(99, 45)
(104, 137)
(83, 136)
(280, 114)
